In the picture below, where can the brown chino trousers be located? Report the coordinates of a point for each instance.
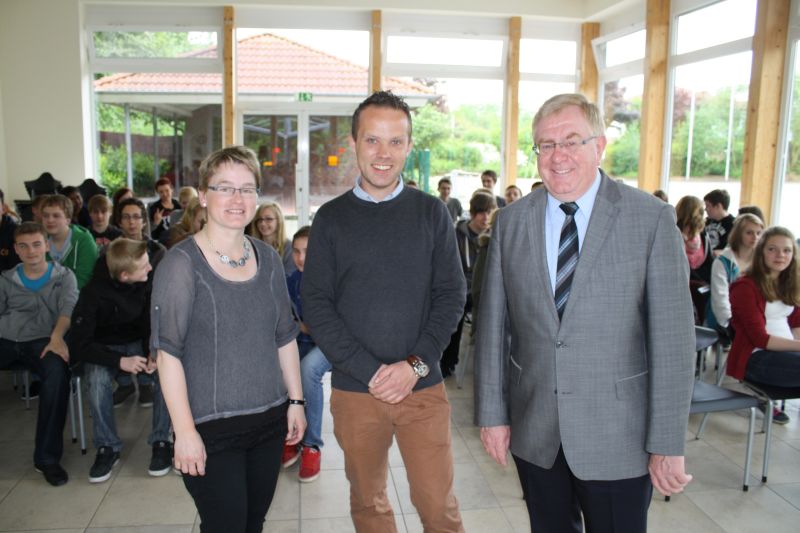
(364, 428)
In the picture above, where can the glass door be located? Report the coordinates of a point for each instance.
(305, 160)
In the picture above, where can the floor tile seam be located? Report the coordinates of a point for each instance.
(16, 484)
(703, 511)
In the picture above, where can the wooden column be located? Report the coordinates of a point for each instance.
(511, 126)
(375, 66)
(229, 77)
(588, 67)
(764, 104)
(654, 97)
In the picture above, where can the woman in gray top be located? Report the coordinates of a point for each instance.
(227, 357)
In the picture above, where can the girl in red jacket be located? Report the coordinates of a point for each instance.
(766, 316)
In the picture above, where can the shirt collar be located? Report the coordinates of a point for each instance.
(364, 195)
(585, 202)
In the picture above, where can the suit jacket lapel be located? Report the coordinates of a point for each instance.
(604, 212)
(537, 246)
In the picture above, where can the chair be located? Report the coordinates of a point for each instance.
(708, 398)
(44, 184)
(705, 338)
(770, 394)
(89, 188)
(76, 404)
(19, 369)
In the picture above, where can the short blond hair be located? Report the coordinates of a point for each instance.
(186, 193)
(122, 254)
(240, 155)
(99, 202)
(558, 103)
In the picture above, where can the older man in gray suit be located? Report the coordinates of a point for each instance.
(588, 278)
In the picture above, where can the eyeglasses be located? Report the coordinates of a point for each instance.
(227, 190)
(131, 217)
(266, 219)
(548, 149)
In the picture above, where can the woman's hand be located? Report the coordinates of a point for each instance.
(296, 418)
(190, 453)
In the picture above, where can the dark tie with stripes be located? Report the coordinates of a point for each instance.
(567, 256)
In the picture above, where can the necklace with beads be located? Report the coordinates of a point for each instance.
(225, 260)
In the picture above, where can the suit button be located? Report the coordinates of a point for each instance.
(559, 344)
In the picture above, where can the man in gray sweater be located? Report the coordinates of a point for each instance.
(382, 293)
(36, 302)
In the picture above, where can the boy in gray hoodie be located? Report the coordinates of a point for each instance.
(36, 301)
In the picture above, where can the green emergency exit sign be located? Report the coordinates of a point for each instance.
(305, 97)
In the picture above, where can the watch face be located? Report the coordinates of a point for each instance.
(422, 368)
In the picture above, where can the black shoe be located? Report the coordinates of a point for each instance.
(33, 391)
(145, 395)
(103, 464)
(161, 460)
(778, 417)
(122, 393)
(53, 474)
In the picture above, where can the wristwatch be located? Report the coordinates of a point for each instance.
(421, 369)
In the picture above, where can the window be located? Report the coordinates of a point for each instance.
(622, 107)
(718, 23)
(273, 61)
(155, 44)
(789, 187)
(711, 77)
(547, 56)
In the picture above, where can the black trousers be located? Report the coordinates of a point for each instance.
(53, 395)
(556, 499)
(236, 492)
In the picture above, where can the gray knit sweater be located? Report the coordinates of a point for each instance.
(382, 281)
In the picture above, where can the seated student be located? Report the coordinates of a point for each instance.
(313, 365)
(185, 194)
(489, 180)
(689, 215)
(481, 207)
(70, 244)
(8, 257)
(80, 215)
(36, 302)
(192, 220)
(753, 210)
(453, 205)
(110, 333)
(101, 228)
(735, 258)
(719, 222)
(513, 193)
(160, 210)
(134, 225)
(766, 315)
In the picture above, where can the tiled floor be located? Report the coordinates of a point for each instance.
(489, 495)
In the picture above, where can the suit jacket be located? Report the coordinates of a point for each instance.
(612, 381)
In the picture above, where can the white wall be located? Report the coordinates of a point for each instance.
(3, 169)
(41, 106)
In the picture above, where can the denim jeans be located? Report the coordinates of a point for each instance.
(99, 381)
(312, 367)
(53, 394)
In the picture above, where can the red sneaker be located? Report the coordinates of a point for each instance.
(290, 455)
(309, 464)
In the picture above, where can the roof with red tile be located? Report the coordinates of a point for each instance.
(268, 64)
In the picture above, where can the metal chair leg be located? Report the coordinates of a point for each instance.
(768, 422)
(750, 431)
(72, 414)
(26, 384)
(79, 399)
